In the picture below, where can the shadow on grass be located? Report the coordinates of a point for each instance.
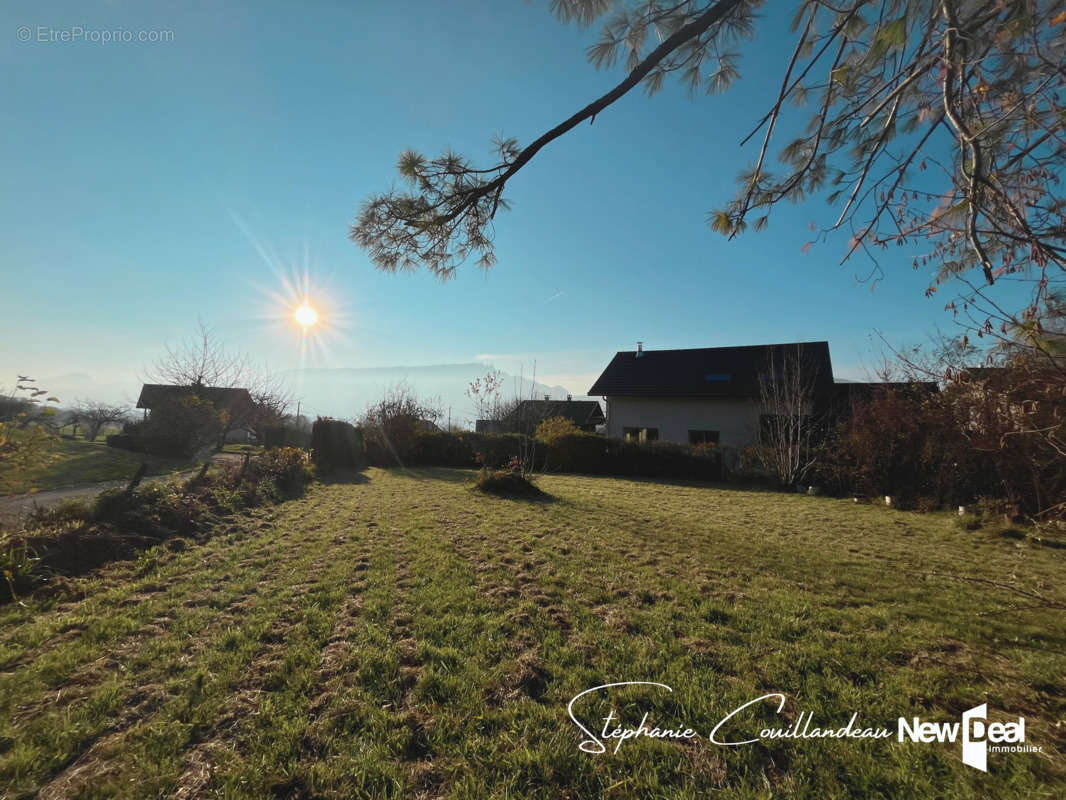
(542, 499)
(461, 475)
(688, 483)
(446, 474)
(343, 476)
(466, 477)
(102, 465)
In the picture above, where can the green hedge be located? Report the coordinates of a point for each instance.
(337, 444)
(124, 441)
(467, 450)
(585, 453)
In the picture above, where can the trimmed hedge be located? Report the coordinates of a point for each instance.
(282, 436)
(595, 455)
(466, 450)
(124, 441)
(337, 444)
(585, 453)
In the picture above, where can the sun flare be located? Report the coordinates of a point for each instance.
(305, 315)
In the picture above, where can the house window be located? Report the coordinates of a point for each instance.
(703, 437)
(640, 434)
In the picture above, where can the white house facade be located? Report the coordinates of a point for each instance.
(729, 422)
(703, 395)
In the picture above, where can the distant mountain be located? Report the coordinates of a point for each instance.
(75, 386)
(346, 392)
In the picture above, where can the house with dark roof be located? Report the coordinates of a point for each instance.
(238, 402)
(528, 414)
(153, 394)
(708, 395)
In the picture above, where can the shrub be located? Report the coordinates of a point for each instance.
(507, 483)
(555, 428)
(17, 562)
(289, 469)
(337, 444)
(907, 444)
(577, 452)
(73, 538)
(180, 426)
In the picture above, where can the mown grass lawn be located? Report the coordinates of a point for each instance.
(403, 636)
(59, 463)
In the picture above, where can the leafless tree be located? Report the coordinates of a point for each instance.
(489, 400)
(204, 360)
(270, 399)
(789, 424)
(393, 424)
(95, 416)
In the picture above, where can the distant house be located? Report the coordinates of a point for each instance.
(706, 395)
(223, 398)
(528, 414)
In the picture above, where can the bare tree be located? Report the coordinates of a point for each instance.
(205, 361)
(489, 401)
(788, 424)
(74, 419)
(393, 424)
(202, 360)
(95, 416)
(270, 398)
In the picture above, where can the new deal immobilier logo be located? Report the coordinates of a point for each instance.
(977, 735)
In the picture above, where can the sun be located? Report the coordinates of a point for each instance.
(305, 315)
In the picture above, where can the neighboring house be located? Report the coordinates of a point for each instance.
(528, 414)
(707, 395)
(222, 398)
(241, 435)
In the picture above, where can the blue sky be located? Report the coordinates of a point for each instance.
(151, 184)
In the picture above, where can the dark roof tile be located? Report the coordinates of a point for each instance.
(707, 371)
(222, 396)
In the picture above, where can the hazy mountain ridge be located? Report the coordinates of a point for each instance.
(347, 391)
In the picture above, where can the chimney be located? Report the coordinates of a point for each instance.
(640, 349)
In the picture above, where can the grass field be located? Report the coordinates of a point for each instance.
(403, 636)
(60, 463)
